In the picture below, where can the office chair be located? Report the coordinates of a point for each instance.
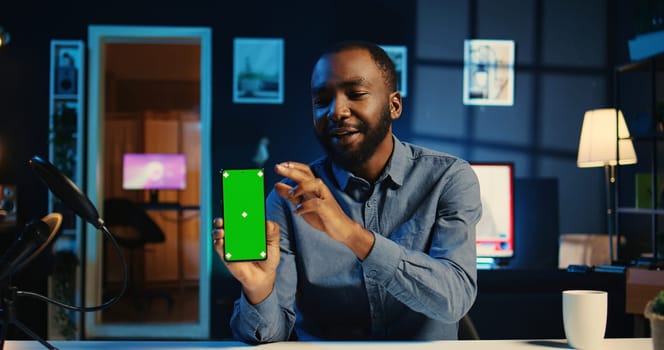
(467, 330)
(132, 227)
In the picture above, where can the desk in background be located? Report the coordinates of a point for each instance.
(527, 304)
(609, 344)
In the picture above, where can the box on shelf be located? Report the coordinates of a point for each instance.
(644, 190)
(646, 45)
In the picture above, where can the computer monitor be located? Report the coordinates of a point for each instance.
(495, 230)
(154, 171)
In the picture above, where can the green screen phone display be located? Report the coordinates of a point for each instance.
(243, 202)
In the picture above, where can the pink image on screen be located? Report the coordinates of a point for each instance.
(154, 171)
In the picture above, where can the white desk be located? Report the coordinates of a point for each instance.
(609, 344)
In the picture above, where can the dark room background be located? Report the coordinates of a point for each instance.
(566, 51)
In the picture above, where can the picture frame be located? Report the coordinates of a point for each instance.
(67, 65)
(399, 55)
(258, 70)
(488, 73)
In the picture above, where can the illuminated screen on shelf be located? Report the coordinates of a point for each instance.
(154, 171)
(495, 230)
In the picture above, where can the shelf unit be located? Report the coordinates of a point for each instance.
(639, 220)
(66, 105)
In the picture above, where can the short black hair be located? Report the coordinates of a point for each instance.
(380, 57)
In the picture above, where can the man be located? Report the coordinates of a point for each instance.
(374, 241)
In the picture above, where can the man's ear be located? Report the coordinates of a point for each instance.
(395, 105)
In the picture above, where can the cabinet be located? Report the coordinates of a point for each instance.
(66, 125)
(639, 211)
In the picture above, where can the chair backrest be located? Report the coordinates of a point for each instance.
(124, 213)
(467, 330)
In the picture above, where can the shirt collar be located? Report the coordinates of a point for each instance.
(398, 164)
(395, 169)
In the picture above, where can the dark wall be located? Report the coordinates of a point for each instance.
(306, 26)
(535, 224)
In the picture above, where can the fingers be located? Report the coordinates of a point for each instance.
(272, 231)
(308, 189)
(217, 232)
(308, 186)
(218, 244)
(283, 190)
(218, 223)
(304, 191)
(309, 206)
(295, 171)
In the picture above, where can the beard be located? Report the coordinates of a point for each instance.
(352, 159)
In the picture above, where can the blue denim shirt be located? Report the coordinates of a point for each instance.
(416, 283)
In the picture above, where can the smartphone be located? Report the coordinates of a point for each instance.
(243, 205)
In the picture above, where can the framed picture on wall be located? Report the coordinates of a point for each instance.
(488, 72)
(399, 55)
(258, 70)
(67, 61)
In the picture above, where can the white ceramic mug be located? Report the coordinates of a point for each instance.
(584, 318)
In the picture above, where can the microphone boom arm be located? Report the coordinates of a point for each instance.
(32, 245)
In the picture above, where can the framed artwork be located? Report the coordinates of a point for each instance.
(67, 63)
(258, 70)
(399, 55)
(488, 72)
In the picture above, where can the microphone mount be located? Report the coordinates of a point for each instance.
(8, 308)
(21, 253)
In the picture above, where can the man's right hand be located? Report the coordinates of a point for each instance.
(257, 277)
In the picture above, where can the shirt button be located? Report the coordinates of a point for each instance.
(368, 205)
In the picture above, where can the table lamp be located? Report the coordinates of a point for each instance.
(600, 146)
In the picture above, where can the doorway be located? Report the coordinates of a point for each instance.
(150, 96)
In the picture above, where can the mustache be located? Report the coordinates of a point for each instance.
(361, 126)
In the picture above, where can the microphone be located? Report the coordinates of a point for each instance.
(80, 204)
(34, 238)
(66, 190)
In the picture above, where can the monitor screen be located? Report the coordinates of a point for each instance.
(495, 230)
(154, 171)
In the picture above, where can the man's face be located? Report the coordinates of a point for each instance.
(351, 107)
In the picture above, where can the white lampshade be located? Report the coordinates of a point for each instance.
(597, 144)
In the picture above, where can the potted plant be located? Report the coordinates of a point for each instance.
(63, 135)
(63, 138)
(64, 290)
(655, 313)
